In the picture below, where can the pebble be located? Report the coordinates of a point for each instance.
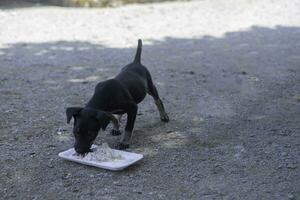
(66, 176)
(50, 163)
(60, 131)
(117, 183)
(32, 154)
(51, 146)
(291, 166)
(284, 154)
(291, 196)
(195, 178)
(50, 166)
(244, 181)
(137, 191)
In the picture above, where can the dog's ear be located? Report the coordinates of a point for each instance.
(103, 118)
(71, 112)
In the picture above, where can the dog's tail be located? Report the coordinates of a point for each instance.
(137, 58)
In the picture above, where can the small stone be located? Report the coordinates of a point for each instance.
(291, 196)
(50, 166)
(137, 191)
(60, 131)
(291, 166)
(32, 154)
(66, 176)
(217, 164)
(283, 154)
(117, 183)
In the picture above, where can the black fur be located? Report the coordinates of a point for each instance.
(119, 95)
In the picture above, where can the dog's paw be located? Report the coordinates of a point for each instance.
(122, 146)
(165, 118)
(115, 132)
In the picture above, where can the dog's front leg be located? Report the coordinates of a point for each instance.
(116, 127)
(126, 137)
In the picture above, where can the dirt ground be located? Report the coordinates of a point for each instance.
(227, 71)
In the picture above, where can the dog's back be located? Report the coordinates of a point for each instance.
(135, 76)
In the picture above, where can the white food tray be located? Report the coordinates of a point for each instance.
(128, 159)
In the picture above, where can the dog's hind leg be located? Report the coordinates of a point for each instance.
(159, 104)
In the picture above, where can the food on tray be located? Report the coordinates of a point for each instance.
(102, 153)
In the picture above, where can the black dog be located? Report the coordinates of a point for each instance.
(119, 95)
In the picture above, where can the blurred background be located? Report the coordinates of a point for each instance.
(79, 3)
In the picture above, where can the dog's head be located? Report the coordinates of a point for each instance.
(87, 123)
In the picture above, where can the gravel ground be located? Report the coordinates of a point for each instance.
(228, 72)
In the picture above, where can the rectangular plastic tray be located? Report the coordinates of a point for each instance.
(128, 159)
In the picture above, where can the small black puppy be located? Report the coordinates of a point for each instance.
(119, 95)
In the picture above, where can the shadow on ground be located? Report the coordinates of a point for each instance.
(233, 103)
